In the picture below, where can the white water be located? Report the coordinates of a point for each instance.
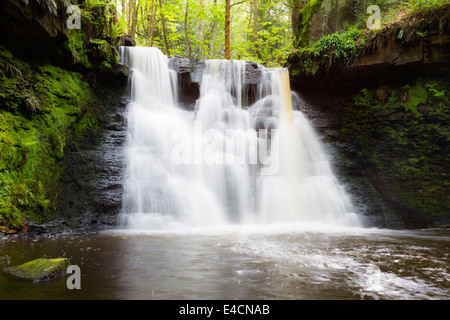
(216, 166)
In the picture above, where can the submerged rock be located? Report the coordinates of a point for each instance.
(40, 269)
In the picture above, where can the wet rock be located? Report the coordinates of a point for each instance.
(190, 73)
(194, 68)
(127, 41)
(35, 21)
(40, 269)
(91, 184)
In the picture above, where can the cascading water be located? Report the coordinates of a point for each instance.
(223, 163)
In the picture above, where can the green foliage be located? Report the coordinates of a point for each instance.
(10, 216)
(117, 29)
(39, 107)
(274, 39)
(345, 45)
(417, 95)
(440, 95)
(420, 5)
(99, 21)
(75, 44)
(393, 11)
(205, 28)
(86, 123)
(341, 44)
(32, 102)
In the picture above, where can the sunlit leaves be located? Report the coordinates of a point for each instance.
(205, 28)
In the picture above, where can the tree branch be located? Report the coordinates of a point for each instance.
(235, 4)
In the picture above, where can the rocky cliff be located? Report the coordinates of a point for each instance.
(380, 98)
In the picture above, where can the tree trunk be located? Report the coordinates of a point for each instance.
(200, 33)
(227, 29)
(255, 28)
(210, 38)
(129, 15)
(151, 23)
(186, 29)
(255, 20)
(164, 29)
(134, 19)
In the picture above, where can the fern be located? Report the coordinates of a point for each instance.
(92, 4)
(32, 103)
(12, 70)
(117, 29)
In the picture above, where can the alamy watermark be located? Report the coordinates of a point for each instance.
(73, 281)
(374, 21)
(228, 147)
(74, 20)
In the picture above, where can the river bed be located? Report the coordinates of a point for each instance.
(294, 262)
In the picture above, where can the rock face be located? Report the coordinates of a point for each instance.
(42, 26)
(313, 19)
(387, 120)
(190, 72)
(402, 49)
(127, 41)
(330, 18)
(91, 184)
(391, 61)
(32, 21)
(385, 116)
(40, 270)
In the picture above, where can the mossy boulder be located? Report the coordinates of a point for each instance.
(40, 269)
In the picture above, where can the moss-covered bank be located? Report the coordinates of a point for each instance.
(400, 134)
(41, 106)
(53, 84)
(419, 35)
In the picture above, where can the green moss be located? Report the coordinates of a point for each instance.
(10, 216)
(43, 106)
(418, 95)
(75, 44)
(40, 269)
(38, 109)
(403, 132)
(58, 145)
(86, 123)
(302, 20)
(104, 54)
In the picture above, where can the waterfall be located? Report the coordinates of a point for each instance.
(223, 163)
